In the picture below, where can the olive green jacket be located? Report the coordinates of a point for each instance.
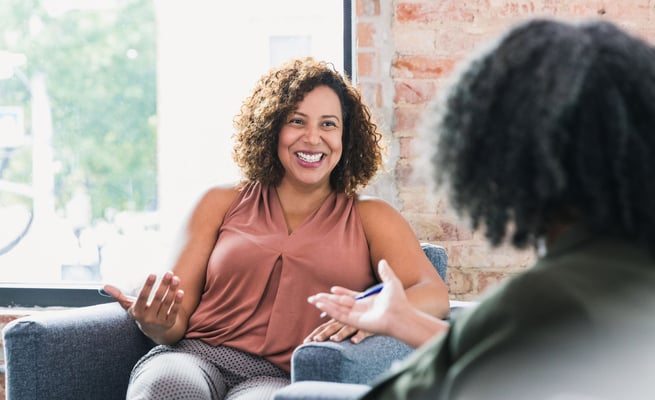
(580, 323)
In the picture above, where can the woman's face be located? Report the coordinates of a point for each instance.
(310, 145)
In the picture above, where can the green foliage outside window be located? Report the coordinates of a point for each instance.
(100, 71)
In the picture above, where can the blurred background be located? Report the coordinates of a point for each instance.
(116, 115)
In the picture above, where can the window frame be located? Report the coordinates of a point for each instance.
(81, 295)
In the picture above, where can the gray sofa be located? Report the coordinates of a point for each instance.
(88, 353)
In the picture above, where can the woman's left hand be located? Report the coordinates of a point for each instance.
(336, 331)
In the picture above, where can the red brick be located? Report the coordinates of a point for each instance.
(596, 9)
(366, 65)
(365, 34)
(467, 255)
(445, 10)
(404, 173)
(417, 12)
(414, 92)
(410, 178)
(427, 38)
(368, 8)
(407, 118)
(415, 41)
(515, 9)
(406, 150)
(421, 67)
(451, 231)
(459, 281)
(489, 280)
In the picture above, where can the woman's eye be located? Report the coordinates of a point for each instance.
(296, 121)
(330, 123)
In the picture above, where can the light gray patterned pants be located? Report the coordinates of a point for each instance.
(195, 370)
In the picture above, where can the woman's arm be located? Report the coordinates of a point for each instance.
(165, 318)
(391, 238)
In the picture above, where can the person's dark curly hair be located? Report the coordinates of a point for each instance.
(554, 124)
(275, 96)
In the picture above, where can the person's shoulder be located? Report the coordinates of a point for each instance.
(371, 204)
(223, 191)
(378, 215)
(220, 197)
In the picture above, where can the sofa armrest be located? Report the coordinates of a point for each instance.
(346, 362)
(84, 353)
(313, 390)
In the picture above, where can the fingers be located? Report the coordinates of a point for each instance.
(343, 291)
(166, 293)
(122, 299)
(337, 306)
(323, 331)
(332, 330)
(175, 307)
(344, 333)
(144, 294)
(385, 272)
(359, 336)
(165, 302)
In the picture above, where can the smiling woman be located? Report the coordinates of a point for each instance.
(310, 142)
(135, 88)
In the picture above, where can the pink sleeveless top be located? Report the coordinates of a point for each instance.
(259, 276)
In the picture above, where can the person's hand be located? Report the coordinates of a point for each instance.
(336, 331)
(373, 314)
(160, 314)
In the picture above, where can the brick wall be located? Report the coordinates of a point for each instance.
(405, 51)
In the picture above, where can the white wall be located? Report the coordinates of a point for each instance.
(210, 54)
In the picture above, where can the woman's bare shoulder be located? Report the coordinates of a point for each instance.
(223, 193)
(370, 205)
(218, 199)
(379, 216)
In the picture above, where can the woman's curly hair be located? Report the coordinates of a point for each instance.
(556, 123)
(275, 96)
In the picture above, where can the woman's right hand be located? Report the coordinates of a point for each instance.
(157, 317)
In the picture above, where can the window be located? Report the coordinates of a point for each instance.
(115, 115)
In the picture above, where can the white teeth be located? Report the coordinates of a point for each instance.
(310, 157)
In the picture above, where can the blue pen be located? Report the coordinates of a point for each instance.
(366, 293)
(370, 291)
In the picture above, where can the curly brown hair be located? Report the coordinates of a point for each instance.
(555, 122)
(275, 96)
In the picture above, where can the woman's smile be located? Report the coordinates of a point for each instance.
(310, 141)
(309, 158)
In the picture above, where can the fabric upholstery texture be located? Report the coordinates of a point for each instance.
(89, 352)
(346, 362)
(84, 353)
(317, 390)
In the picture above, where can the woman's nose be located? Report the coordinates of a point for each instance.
(313, 135)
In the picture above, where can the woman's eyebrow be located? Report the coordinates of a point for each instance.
(322, 116)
